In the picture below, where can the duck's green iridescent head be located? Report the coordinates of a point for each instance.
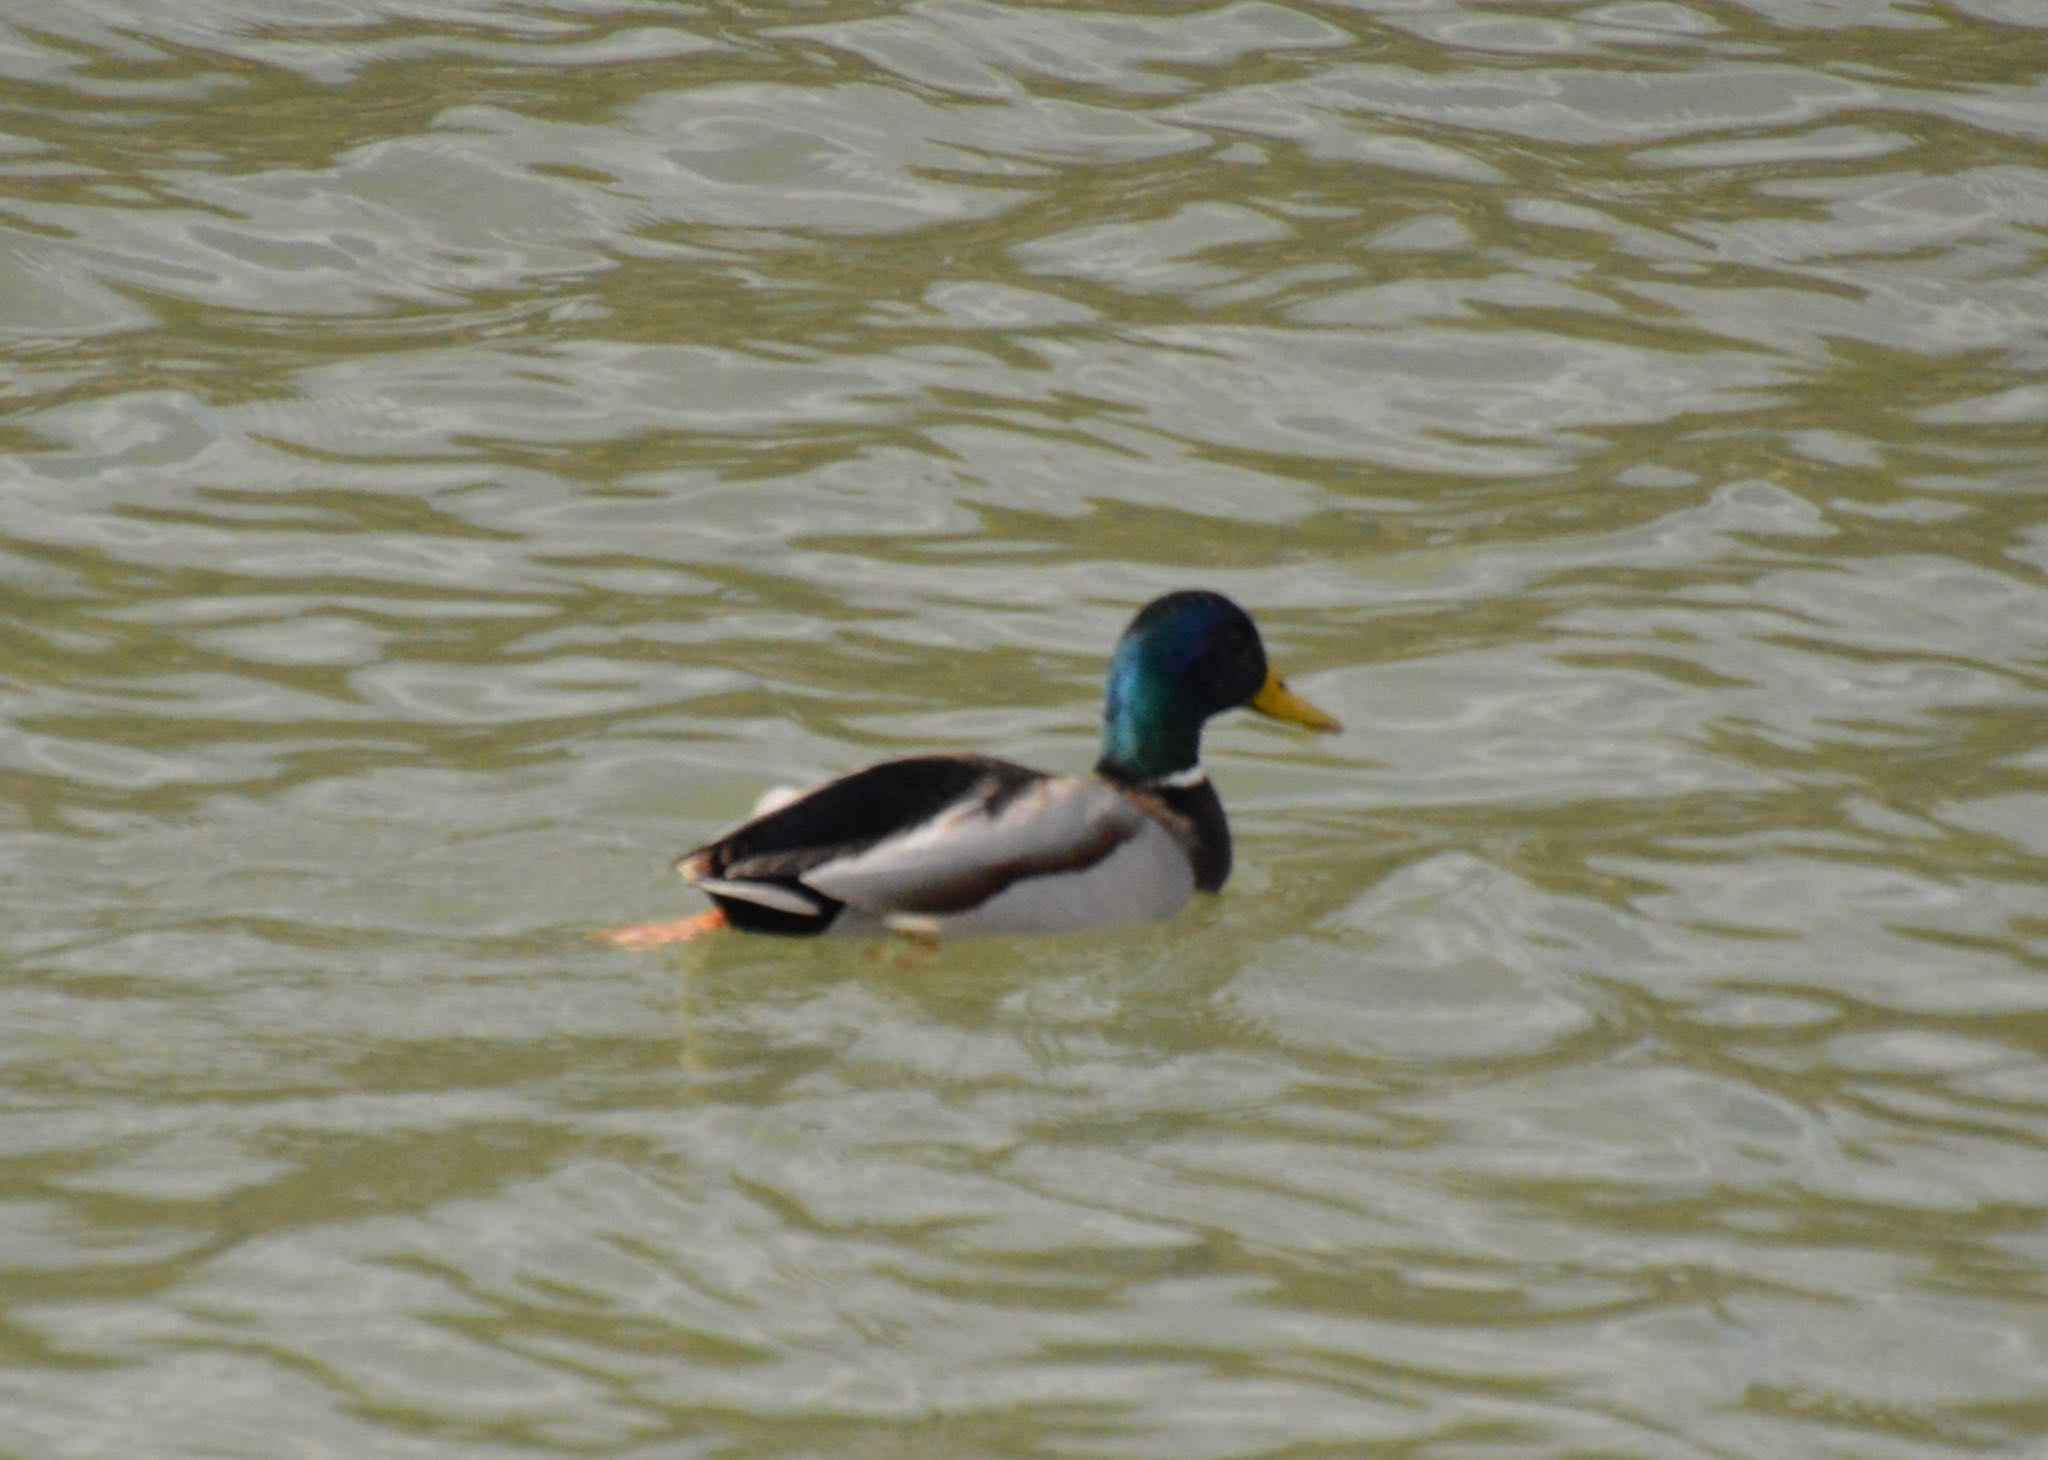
(1185, 657)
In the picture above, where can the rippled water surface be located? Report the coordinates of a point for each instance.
(455, 455)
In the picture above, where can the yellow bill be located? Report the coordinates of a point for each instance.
(1276, 699)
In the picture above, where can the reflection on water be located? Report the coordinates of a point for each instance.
(456, 461)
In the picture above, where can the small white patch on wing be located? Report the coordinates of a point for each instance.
(774, 799)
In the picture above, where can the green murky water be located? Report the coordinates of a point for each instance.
(455, 456)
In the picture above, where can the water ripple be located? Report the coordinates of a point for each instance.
(456, 461)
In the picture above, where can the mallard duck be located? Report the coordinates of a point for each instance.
(961, 845)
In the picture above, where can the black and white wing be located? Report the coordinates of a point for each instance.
(946, 845)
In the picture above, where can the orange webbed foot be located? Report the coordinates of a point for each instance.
(641, 936)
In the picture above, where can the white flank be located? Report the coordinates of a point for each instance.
(1051, 817)
(1147, 878)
